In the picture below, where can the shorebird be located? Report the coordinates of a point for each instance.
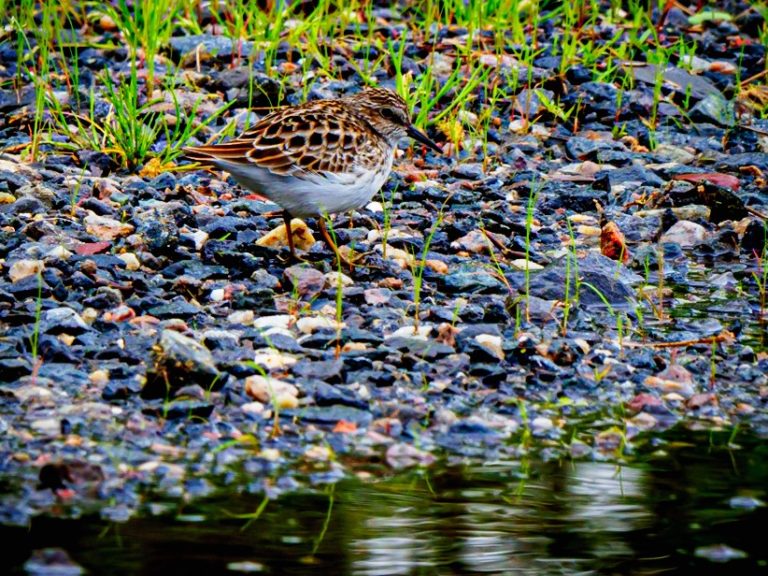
(318, 158)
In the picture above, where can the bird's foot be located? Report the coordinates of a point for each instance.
(345, 257)
(292, 259)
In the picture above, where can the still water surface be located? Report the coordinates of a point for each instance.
(539, 518)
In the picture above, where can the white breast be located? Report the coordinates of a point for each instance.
(315, 194)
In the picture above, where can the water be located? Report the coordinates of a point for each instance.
(532, 518)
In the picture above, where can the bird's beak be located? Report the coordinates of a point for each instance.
(419, 136)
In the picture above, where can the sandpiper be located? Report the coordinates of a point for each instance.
(318, 158)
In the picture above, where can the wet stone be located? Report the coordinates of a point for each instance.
(182, 409)
(713, 108)
(176, 308)
(331, 415)
(686, 234)
(103, 298)
(735, 161)
(630, 176)
(25, 204)
(588, 149)
(158, 236)
(468, 171)
(530, 103)
(59, 320)
(195, 269)
(329, 395)
(422, 348)
(99, 163)
(54, 350)
(305, 280)
(607, 280)
(754, 239)
(277, 341)
(331, 371)
(467, 278)
(680, 80)
(373, 377)
(98, 207)
(121, 389)
(12, 369)
(217, 46)
(177, 361)
(28, 287)
(573, 197)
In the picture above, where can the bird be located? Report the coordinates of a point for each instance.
(318, 158)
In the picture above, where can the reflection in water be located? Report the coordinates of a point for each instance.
(502, 518)
(582, 513)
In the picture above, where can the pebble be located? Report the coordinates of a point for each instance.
(273, 359)
(105, 228)
(421, 332)
(686, 234)
(310, 324)
(277, 322)
(542, 424)
(244, 317)
(131, 261)
(272, 391)
(59, 252)
(492, 343)
(24, 268)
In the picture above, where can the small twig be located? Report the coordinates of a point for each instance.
(724, 336)
(753, 78)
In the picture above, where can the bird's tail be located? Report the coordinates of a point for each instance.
(201, 154)
(232, 151)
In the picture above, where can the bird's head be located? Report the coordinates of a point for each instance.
(388, 113)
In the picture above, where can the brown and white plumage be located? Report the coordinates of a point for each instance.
(320, 136)
(321, 157)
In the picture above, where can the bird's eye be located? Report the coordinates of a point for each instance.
(389, 114)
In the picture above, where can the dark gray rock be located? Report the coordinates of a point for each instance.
(221, 47)
(471, 278)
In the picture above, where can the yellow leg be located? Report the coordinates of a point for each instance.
(289, 234)
(332, 244)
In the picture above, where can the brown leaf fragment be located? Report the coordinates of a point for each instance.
(717, 178)
(90, 248)
(700, 400)
(613, 244)
(446, 334)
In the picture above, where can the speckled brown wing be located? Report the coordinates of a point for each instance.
(321, 136)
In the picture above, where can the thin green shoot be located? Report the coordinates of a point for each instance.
(498, 270)
(326, 522)
(252, 516)
(386, 208)
(601, 296)
(339, 286)
(659, 309)
(34, 339)
(571, 274)
(529, 217)
(760, 276)
(417, 270)
(75, 194)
